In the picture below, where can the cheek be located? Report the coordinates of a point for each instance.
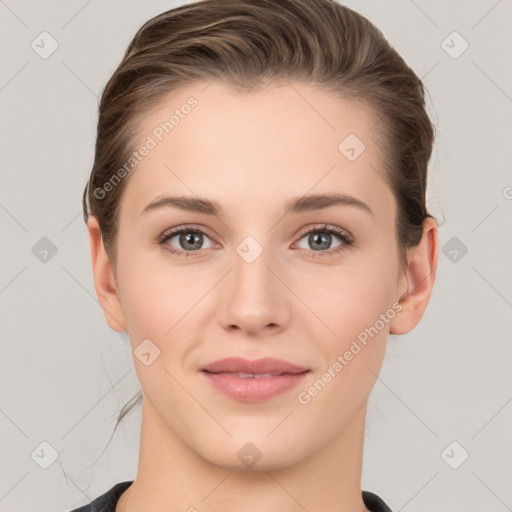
(351, 297)
(355, 301)
(351, 304)
(156, 295)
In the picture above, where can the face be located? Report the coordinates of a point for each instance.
(287, 251)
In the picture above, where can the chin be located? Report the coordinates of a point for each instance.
(252, 453)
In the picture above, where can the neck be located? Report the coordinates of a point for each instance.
(174, 478)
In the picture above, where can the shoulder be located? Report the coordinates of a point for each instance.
(374, 503)
(107, 501)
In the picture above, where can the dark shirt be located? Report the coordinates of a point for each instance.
(107, 502)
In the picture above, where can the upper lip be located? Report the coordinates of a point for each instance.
(264, 365)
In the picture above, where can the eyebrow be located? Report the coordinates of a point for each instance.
(306, 203)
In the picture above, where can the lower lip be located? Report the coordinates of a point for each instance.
(252, 389)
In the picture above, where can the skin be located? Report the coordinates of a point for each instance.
(252, 153)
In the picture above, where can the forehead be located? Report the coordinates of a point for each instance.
(246, 149)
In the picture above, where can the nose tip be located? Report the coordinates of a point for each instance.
(253, 298)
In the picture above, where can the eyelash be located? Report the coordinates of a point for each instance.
(343, 236)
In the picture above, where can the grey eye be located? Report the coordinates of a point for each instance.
(319, 240)
(189, 240)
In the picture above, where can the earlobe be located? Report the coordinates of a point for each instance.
(104, 281)
(420, 276)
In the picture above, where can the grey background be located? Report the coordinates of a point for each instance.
(65, 375)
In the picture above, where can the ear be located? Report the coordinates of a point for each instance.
(419, 277)
(104, 280)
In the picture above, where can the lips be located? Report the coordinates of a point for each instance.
(253, 375)
(253, 381)
(259, 367)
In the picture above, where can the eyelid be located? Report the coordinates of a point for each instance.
(185, 227)
(326, 227)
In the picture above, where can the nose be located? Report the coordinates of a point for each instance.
(253, 300)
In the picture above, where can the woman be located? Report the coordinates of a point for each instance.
(257, 223)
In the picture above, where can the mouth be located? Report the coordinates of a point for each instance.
(251, 375)
(253, 381)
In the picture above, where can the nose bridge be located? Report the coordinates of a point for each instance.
(254, 296)
(251, 267)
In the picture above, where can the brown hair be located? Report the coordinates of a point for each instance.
(248, 44)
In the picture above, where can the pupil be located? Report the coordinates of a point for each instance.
(190, 238)
(317, 238)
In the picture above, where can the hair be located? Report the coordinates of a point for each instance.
(248, 44)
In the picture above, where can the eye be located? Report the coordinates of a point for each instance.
(189, 240)
(320, 239)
